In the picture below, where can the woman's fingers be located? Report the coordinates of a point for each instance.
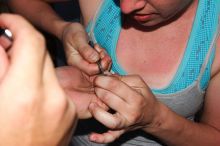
(77, 49)
(76, 38)
(107, 137)
(76, 59)
(137, 83)
(116, 86)
(112, 121)
(133, 106)
(106, 61)
(111, 100)
(80, 53)
(79, 57)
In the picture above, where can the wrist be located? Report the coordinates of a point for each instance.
(74, 27)
(166, 121)
(158, 121)
(60, 27)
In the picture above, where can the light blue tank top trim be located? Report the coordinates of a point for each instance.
(107, 30)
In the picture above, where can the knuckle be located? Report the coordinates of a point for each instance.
(106, 82)
(84, 50)
(101, 94)
(139, 100)
(60, 103)
(113, 83)
(105, 97)
(139, 79)
(40, 38)
(90, 72)
(28, 102)
(116, 123)
(88, 52)
(135, 114)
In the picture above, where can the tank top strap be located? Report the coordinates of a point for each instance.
(105, 29)
(198, 56)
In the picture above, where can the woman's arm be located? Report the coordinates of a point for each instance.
(175, 130)
(40, 13)
(178, 131)
(72, 34)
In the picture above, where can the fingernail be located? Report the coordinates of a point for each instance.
(97, 48)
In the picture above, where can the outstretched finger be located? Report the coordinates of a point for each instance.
(117, 87)
(107, 137)
(135, 82)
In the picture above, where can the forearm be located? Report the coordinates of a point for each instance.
(40, 14)
(175, 130)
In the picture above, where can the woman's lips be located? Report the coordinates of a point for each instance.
(142, 18)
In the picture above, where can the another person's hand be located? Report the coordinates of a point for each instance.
(34, 110)
(79, 87)
(134, 105)
(80, 54)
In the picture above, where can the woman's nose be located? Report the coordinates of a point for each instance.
(128, 6)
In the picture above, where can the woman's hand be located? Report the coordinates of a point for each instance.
(134, 105)
(80, 54)
(34, 110)
(79, 87)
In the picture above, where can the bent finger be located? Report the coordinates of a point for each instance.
(112, 100)
(74, 58)
(79, 43)
(26, 53)
(111, 121)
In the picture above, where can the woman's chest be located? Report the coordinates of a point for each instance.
(153, 55)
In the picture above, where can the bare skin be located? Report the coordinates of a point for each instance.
(160, 59)
(79, 87)
(34, 108)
